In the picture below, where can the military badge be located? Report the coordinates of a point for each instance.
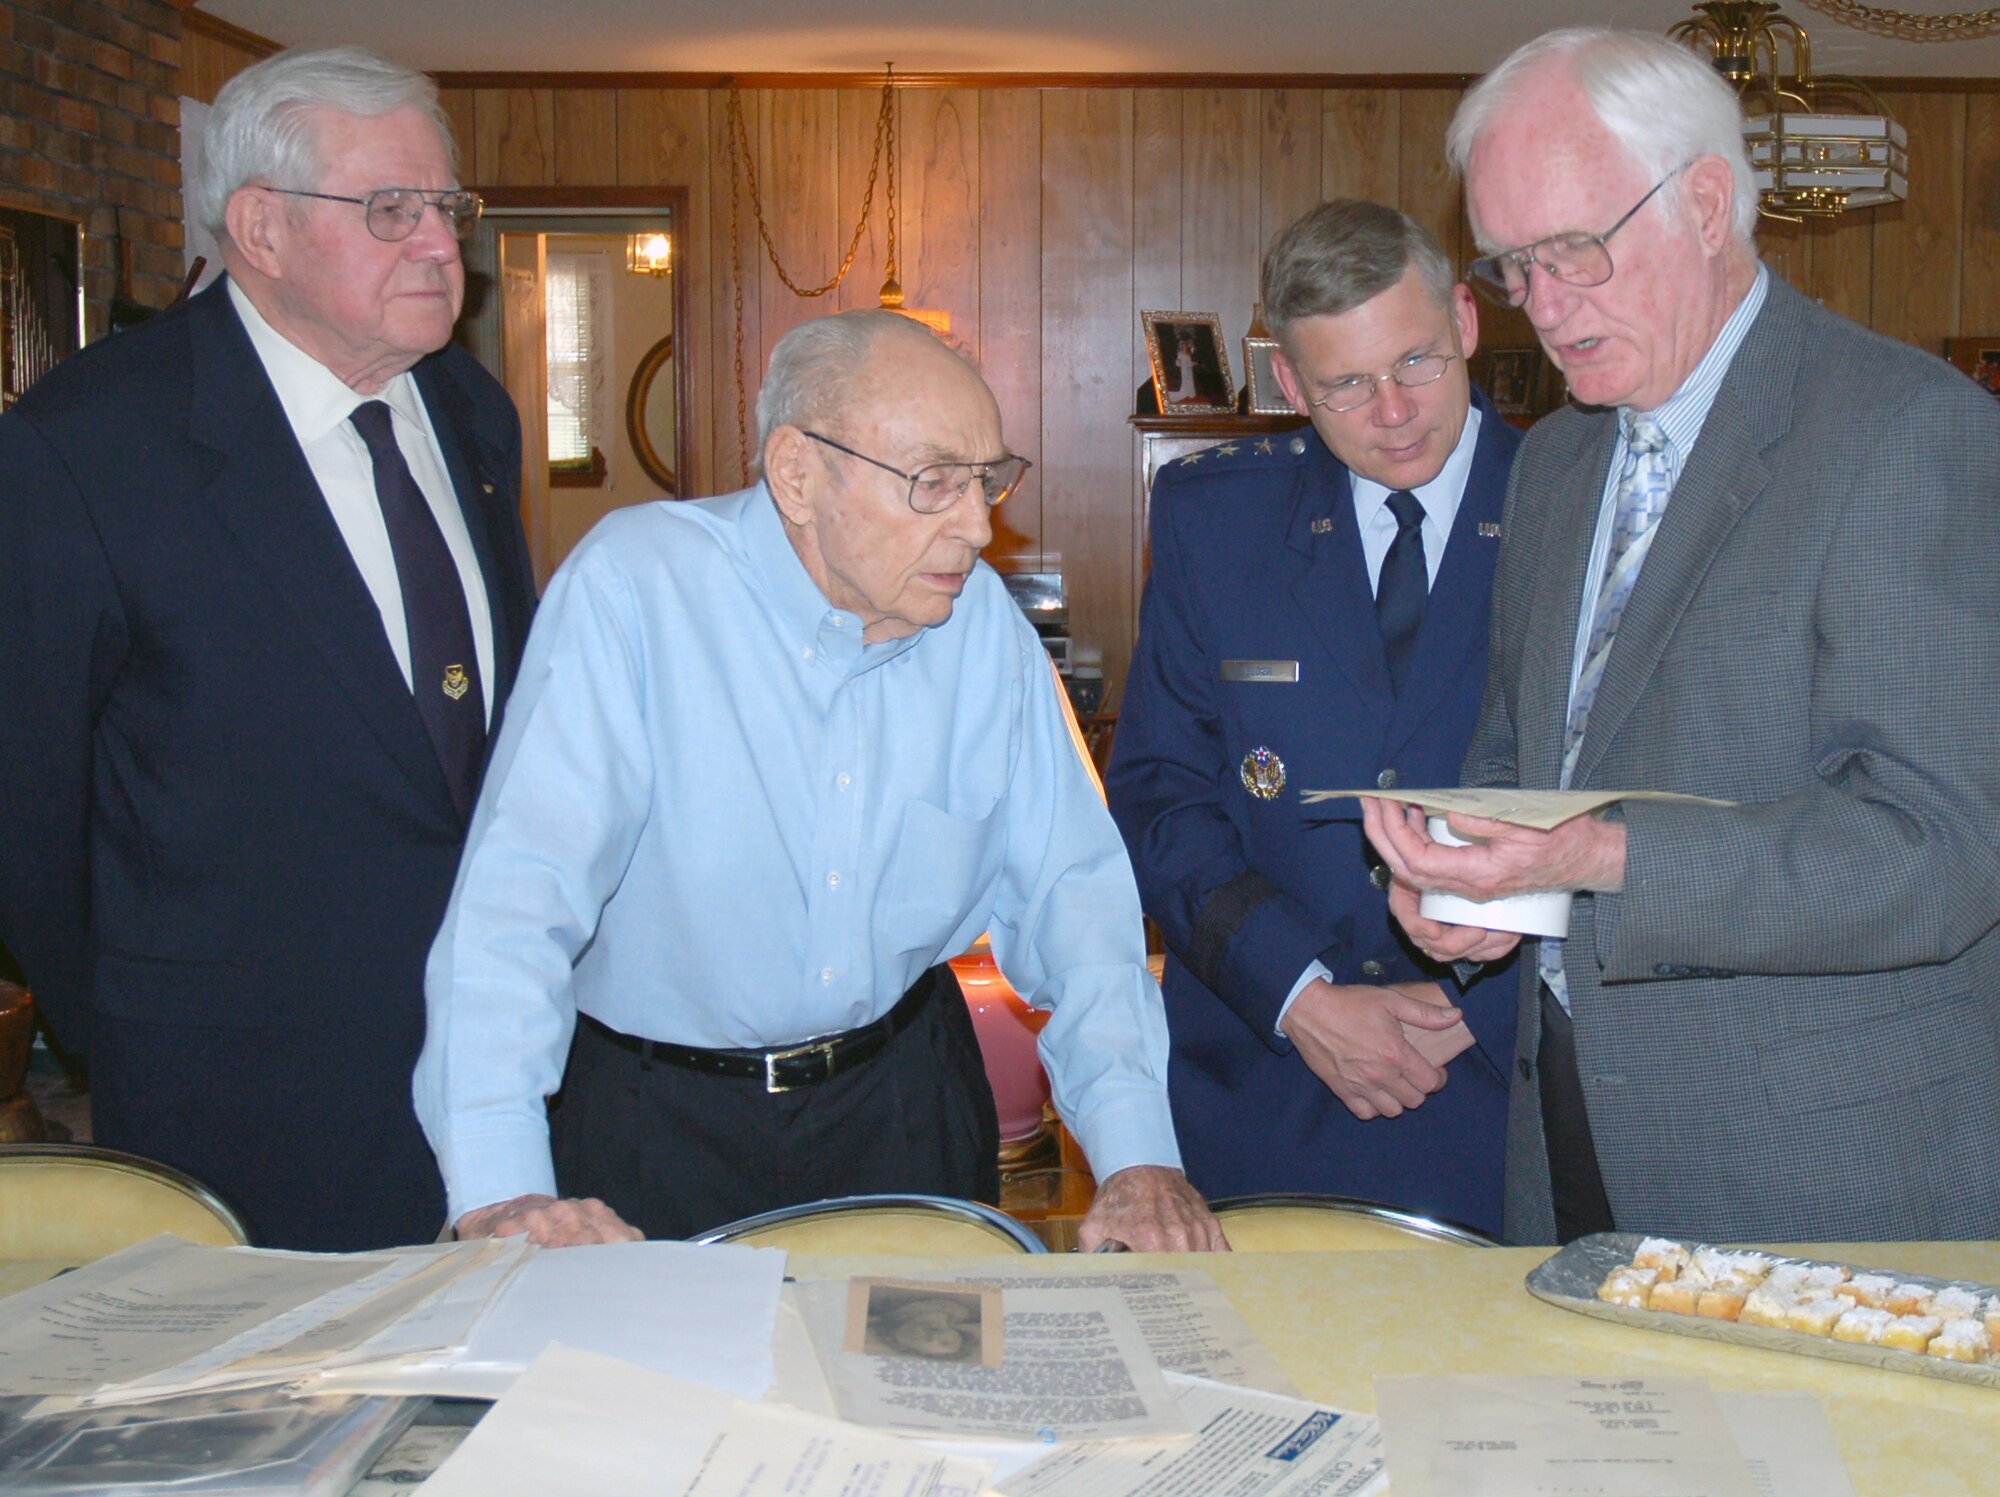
(1263, 773)
(456, 682)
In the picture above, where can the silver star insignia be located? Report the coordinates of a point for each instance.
(1193, 457)
(1228, 449)
(1264, 445)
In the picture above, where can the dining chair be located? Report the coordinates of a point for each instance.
(1313, 1223)
(917, 1226)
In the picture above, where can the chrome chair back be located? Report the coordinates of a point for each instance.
(917, 1226)
(1312, 1223)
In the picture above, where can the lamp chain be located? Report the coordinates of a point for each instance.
(742, 170)
(1950, 26)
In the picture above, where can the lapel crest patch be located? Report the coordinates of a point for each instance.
(1263, 773)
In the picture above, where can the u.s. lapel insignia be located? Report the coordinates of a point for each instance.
(1263, 773)
(1489, 529)
(1323, 525)
(456, 682)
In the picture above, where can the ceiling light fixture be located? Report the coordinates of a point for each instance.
(1818, 146)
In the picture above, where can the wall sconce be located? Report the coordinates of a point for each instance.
(650, 253)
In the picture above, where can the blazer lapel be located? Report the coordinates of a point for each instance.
(264, 491)
(1549, 644)
(1454, 627)
(1331, 589)
(1722, 477)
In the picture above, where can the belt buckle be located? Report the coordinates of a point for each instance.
(772, 1057)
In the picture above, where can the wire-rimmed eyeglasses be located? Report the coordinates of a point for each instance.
(1574, 259)
(936, 487)
(1356, 390)
(393, 213)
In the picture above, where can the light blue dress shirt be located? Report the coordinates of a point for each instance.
(1439, 498)
(715, 817)
(1681, 418)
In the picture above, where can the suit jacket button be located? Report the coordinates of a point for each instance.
(1527, 1068)
(1379, 876)
(1386, 780)
(1371, 968)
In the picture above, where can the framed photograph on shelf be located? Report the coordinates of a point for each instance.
(1978, 357)
(1521, 382)
(1190, 365)
(1266, 399)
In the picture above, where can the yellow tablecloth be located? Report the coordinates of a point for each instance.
(1337, 1320)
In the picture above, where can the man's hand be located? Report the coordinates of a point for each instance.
(1352, 1039)
(1151, 1209)
(1446, 943)
(1585, 852)
(548, 1222)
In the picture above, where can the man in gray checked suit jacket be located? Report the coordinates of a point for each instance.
(1764, 566)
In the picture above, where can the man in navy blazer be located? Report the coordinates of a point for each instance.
(231, 817)
(1315, 618)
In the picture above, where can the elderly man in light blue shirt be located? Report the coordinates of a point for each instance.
(771, 758)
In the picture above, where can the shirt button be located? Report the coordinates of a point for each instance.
(833, 881)
(826, 974)
(842, 780)
(1386, 780)
(1379, 876)
(806, 653)
(1371, 968)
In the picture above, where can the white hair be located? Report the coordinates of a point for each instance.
(264, 126)
(814, 367)
(1660, 101)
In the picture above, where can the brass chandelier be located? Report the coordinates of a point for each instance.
(1819, 146)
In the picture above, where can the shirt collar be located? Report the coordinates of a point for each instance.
(316, 400)
(1440, 496)
(1686, 410)
(802, 610)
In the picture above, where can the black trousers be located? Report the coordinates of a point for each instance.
(1574, 1178)
(676, 1152)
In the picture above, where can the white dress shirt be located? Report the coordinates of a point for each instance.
(318, 404)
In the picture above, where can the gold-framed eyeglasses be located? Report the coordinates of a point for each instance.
(1574, 259)
(393, 213)
(1356, 390)
(936, 487)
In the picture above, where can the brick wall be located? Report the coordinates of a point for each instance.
(89, 124)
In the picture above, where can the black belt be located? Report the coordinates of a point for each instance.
(805, 1064)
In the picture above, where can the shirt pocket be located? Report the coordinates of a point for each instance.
(941, 875)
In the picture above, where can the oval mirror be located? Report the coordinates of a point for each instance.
(649, 413)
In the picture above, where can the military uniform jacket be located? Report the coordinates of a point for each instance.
(1257, 568)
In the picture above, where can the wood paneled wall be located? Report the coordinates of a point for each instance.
(1046, 219)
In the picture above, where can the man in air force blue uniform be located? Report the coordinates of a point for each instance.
(1315, 618)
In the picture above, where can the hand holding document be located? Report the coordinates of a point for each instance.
(1543, 810)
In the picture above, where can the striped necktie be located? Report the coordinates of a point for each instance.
(1644, 486)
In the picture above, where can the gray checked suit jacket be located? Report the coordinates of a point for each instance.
(1788, 1024)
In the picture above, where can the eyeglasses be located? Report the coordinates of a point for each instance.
(393, 213)
(1356, 390)
(1573, 259)
(936, 487)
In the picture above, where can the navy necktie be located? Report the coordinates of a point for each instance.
(444, 668)
(1404, 585)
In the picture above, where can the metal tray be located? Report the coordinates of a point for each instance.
(1571, 1277)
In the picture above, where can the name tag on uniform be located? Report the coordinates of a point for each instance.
(1274, 672)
